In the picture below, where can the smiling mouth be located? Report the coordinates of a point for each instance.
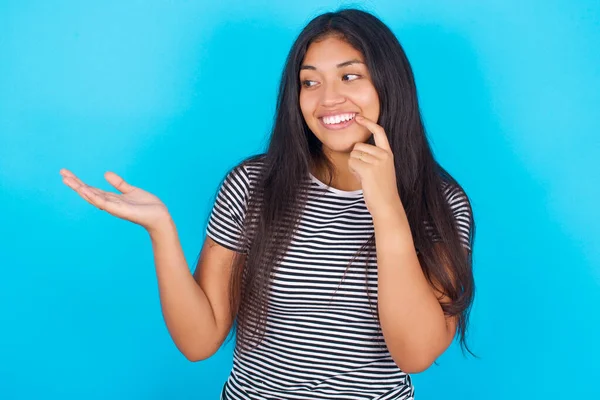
(338, 121)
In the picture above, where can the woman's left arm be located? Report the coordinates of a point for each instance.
(414, 326)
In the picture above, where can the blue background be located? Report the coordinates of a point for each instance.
(171, 94)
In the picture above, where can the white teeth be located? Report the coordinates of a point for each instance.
(336, 119)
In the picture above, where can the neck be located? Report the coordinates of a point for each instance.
(343, 178)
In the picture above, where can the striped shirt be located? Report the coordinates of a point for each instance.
(322, 339)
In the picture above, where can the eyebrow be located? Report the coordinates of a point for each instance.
(340, 65)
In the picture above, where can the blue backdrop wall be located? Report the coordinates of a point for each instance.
(171, 94)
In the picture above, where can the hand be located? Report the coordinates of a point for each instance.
(374, 167)
(134, 204)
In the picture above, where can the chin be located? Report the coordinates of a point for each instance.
(339, 146)
(342, 144)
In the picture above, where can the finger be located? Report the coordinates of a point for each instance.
(108, 196)
(370, 149)
(65, 172)
(118, 182)
(73, 183)
(68, 174)
(96, 198)
(86, 191)
(89, 196)
(112, 178)
(363, 157)
(381, 139)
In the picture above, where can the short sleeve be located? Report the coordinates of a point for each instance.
(226, 221)
(461, 209)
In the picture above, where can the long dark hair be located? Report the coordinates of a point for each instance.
(275, 203)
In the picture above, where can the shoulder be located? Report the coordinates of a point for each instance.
(253, 167)
(245, 174)
(460, 207)
(456, 197)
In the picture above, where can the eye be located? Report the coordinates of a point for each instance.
(350, 77)
(308, 83)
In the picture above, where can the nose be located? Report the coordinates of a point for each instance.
(332, 96)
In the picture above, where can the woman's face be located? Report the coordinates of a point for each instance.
(335, 87)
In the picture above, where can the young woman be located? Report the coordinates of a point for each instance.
(342, 254)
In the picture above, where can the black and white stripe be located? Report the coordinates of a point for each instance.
(323, 340)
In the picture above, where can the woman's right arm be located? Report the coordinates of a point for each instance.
(195, 307)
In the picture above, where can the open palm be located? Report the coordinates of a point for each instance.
(133, 204)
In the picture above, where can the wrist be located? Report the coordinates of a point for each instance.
(389, 212)
(162, 225)
(391, 227)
